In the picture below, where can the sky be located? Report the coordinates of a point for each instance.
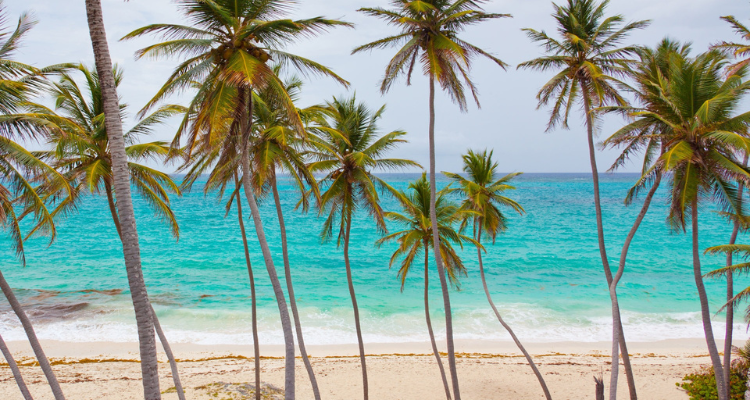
(508, 121)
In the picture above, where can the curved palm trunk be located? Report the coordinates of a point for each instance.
(355, 307)
(600, 236)
(705, 313)
(478, 234)
(253, 299)
(429, 321)
(35, 345)
(14, 369)
(617, 332)
(170, 356)
(436, 245)
(729, 323)
(112, 207)
(157, 325)
(121, 175)
(286, 325)
(290, 289)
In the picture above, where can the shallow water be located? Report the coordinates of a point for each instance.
(545, 273)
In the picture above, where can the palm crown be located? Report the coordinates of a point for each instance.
(482, 192)
(227, 50)
(429, 32)
(417, 235)
(587, 57)
(81, 147)
(347, 147)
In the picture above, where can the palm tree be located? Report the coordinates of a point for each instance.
(276, 146)
(589, 62)
(730, 250)
(700, 155)
(227, 51)
(429, 30)
(482, 193)
(649, 137)
(348, 150)
(121, 179)
(81, 151)
(417, 236)
(29, 186)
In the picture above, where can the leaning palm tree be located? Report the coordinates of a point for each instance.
(647, 137)
(483, 194)
(28, 185)
(348, 149)
(121, 178)
(227, 49)
(700, 157)
(429, 31)
(588, 61)
(417, 236)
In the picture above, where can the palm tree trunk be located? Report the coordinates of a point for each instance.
(35, 345)
(121, 177)
(705, 313)
(290, 289)
(354, 306)
(112, 207)
(286, 325)
(14, 369)
(600, 236)
(170, 356)
(253, 299)
(157, 325)
(617, 332)
(729, 323)
(478, 235)
(429, 322)
(436, 245)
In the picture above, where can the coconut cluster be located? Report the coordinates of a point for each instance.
(222, 53)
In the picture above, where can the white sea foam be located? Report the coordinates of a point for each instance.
(336, 326)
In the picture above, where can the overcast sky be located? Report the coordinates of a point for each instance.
(508, 121)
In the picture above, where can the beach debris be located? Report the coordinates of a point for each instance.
(238, 391)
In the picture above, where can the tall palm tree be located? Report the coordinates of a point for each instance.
(483, 195)
(429, 30)
(29, 186)
(348, 149)
(81, 151)
(227, 51)
(417, 236)
(700, 156)
(276, 146)
(121, 179)
(649, 137)
(588, 61)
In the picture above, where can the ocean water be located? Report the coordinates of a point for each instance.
(544, 273)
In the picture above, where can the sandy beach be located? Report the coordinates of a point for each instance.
(488, 370)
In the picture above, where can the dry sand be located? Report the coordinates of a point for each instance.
(487, 370)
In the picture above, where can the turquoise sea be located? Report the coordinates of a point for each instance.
(544, 273)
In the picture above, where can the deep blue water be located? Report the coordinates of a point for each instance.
(545, 273)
